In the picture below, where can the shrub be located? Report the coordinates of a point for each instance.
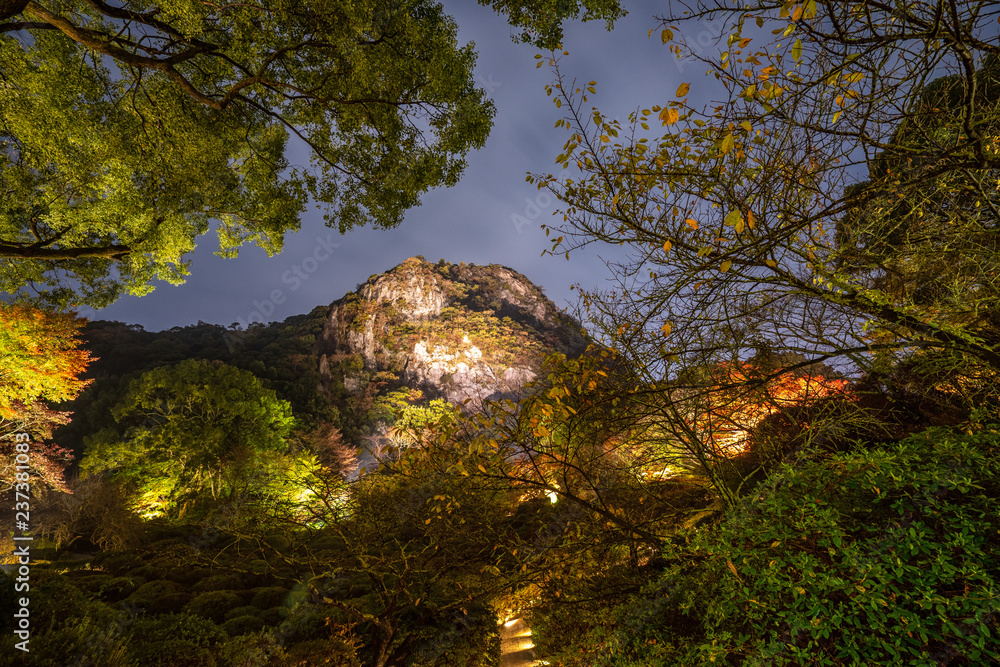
(200, 632)
(274, 615)
(218, 582)
(334, 652)
(172, 653)
(242, 625)
(118, 588)
(154, 590)
(117, 562)
(885, 556)
(171, 603)
(242, 611)
(257, 649)
(98, 511)
(213, 605)
(271, 596)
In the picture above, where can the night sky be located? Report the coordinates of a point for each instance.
(471, 222)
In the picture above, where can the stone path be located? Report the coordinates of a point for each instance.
(516, 647)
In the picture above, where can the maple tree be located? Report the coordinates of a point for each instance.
(743, 396)
(40, 362)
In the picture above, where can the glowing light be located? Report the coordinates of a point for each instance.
(511, 622)
(553, 496)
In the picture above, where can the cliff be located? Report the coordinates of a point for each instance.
(458, 332)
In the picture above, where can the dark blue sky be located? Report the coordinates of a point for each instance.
(471, 222)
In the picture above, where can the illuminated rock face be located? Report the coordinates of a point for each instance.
(453, 331)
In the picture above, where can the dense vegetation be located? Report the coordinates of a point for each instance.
(780, 447)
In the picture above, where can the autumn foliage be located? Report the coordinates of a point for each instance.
(39, 357)
(743, 397)
(40, 361)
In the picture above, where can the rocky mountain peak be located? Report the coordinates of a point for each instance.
(453, 331)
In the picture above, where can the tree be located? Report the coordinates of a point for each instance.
(161, 119)
(540, 21)
(188, 431)
(40, 362)
(40, 358)
(750, 225)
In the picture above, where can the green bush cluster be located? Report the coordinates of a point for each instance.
(878, 556)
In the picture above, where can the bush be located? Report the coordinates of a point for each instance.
(271, 596)
(258, 649)
(242, 625)
(98, 511)
(85, 641)
(171, 603)
(213, 605)
(885, 556)
(334, 652)
(274, 615)
(173, 653)
(218, 582)
(153, 590)
(118, 562)
(200, 632)
(242, 611)
(118, 588)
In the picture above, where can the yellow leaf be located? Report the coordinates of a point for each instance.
(667, 246)
(666, 35)
(428, 521)
(746, 126)
(665, 329)
(727, 144)
(744, 42)
(683, 89)
(797, 46)
(669, 116)
(797, 13)
(770, 262)
(726, 265)
(605, 138)
(692, 223)
(750, 220)
(733, 218)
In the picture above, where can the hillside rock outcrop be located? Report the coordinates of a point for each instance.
(459, 332)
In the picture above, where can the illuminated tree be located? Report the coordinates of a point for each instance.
(161, 118)
(191, 430)
(40, 357)
(40, 362)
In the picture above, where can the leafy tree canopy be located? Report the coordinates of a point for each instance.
(158, 119)
(39, 357)
(40, 361)
(540, 21)
(185, 429)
